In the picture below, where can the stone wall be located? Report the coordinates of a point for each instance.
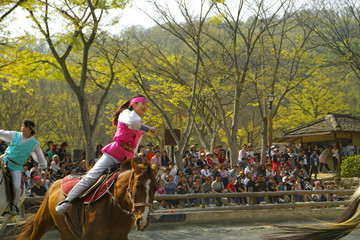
(349, 183)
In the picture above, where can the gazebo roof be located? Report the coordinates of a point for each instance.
(333, 122)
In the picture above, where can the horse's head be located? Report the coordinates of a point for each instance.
(143, 187)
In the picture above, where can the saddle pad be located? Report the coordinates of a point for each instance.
(69, 182)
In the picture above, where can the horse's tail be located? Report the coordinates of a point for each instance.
(27, 228)
(346, 223)
(37, 224)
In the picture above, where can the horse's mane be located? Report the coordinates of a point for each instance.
(126, 165)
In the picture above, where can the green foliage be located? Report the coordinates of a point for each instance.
(350, 167)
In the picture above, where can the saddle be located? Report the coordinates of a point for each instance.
(95, 192)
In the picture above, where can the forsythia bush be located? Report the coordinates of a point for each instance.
(350, 167)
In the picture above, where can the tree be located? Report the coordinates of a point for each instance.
(8, 6)
(73, 54)
(337, 25)
(312, 100)
(285, 61)
(152, 64)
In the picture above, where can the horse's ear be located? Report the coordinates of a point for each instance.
(134, 164)
(154, 168)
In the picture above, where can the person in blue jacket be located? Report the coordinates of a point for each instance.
(314, 163)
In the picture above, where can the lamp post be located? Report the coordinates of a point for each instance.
(271, 98)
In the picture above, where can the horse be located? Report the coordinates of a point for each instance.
(343, 225)
(126, 203)
(6, 198)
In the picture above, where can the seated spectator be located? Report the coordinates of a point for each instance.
(55, 164)
(206, 188)
(202, 161)
(26, 175)
(218, 187)
(197, 189)
(247, 179)
(298, 187)
(234, 172)
(295, 173)
(161, 190)
(191, 189)
(62, 151)
(3, 147)
(183, 188)
(81, 167)
(205, 172)
(215, 159)
(269, 173)
(189, 169)
(36, 169)
(305, 175)
(240, 187)
(62, 172)
(166, 175)
(92, 163)
(257, 163)
(222, 157)
(98, 151)
(334, 196)
(260, 171)
(261, 187)
(249, 168)
(170, 188)
(278, 177)
(165, 161)
(197, 172)
(38, 189)
(173, 168)
(156, 159)
(272, 188)
(231, 188)
(214, 170)
(178, 176)
(31, 182)
(224, 174)
(186, 160)
(208, 158)
(281, 187)
(317, 197)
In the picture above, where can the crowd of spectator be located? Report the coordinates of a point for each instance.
(291, 168)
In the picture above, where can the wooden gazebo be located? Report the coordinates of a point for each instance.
(334, 128)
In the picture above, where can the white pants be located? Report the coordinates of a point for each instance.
(16, 178)
(105, 162)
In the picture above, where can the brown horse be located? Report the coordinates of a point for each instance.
(343, 225)
(111, 217)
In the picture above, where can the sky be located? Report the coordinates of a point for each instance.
(131, 15)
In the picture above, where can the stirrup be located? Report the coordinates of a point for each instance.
(62, 202)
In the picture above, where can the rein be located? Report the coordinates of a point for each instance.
(134, 204)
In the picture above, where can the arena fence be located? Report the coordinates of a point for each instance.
(289, 196)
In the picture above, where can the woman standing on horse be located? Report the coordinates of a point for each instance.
(22, 144)
(128, 133)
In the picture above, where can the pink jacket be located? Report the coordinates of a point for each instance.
(123, 135)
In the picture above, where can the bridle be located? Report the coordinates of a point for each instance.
(135, 204)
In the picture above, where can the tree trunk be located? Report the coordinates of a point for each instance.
(233, 154)
(264, 141)
(270, 127)
(85, 118)
(178, 157)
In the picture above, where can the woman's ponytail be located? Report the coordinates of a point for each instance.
(116, 114)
